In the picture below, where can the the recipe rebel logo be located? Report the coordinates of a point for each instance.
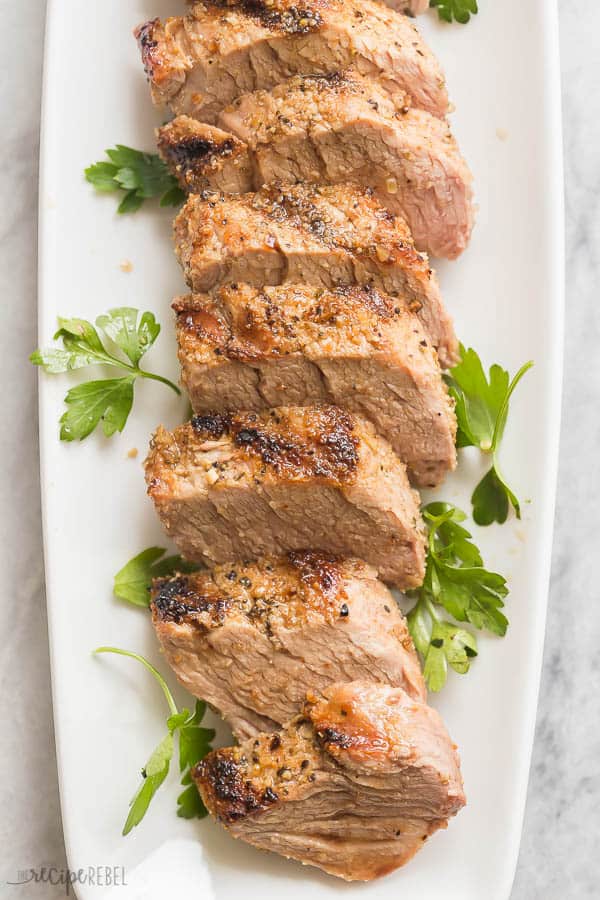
(93, 876)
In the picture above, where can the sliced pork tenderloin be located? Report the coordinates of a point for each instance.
(334, 130)
(247, 348)
(199, 63)
(321, 235)
(355, 785)
(245, 485)
(252, 638)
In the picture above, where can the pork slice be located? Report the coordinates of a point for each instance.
(320, 235)
(355, 785)
(245, 485)
(252, 638)
(199, 63)
(334, 130)
(250, 348)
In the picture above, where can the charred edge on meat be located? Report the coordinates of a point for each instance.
(315, 578)
(233, 796)
(212, 425)
(295, 20)
(176, 599)
(194, 152)
(144, 35)
(317, 570)
(332, 739)
(332, 453)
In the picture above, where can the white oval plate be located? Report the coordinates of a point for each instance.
(506, 294)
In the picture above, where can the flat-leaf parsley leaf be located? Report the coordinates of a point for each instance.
(194, 744)
(456, 581)
(107, 401)
(139, 175)
(482, 404)
(455, 10)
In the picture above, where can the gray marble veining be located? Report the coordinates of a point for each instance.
(30, 828)
(559, 858)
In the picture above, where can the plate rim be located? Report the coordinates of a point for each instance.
(553, 101)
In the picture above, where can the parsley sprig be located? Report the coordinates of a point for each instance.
(456, 582)
(132, 583)
(107, 400)
(482, 406)
(139, 175)
(455, 10)
(194, 744)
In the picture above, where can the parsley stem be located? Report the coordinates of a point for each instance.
(151, 669)
(427, 603)
(115, 361)
(159, 378)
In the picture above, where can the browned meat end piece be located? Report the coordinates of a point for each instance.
(320, 235)
(200, 63)
(223, 158)
(253, 638)
(334, 130)
(245, 485)
(354, 786)
(247, 348)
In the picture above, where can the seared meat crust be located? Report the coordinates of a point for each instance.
(244, 485)
(199, 63)
(246, 348)
(252, 638)
(334, 130)
(320, 235)
(354, 785)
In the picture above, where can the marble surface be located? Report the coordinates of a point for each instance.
(559, 858)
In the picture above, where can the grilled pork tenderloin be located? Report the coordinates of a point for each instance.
(333, 130)
(245, 485)
(354, 785)
(199, 63)
(246, 348)
(319, 235)
(253, 638)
